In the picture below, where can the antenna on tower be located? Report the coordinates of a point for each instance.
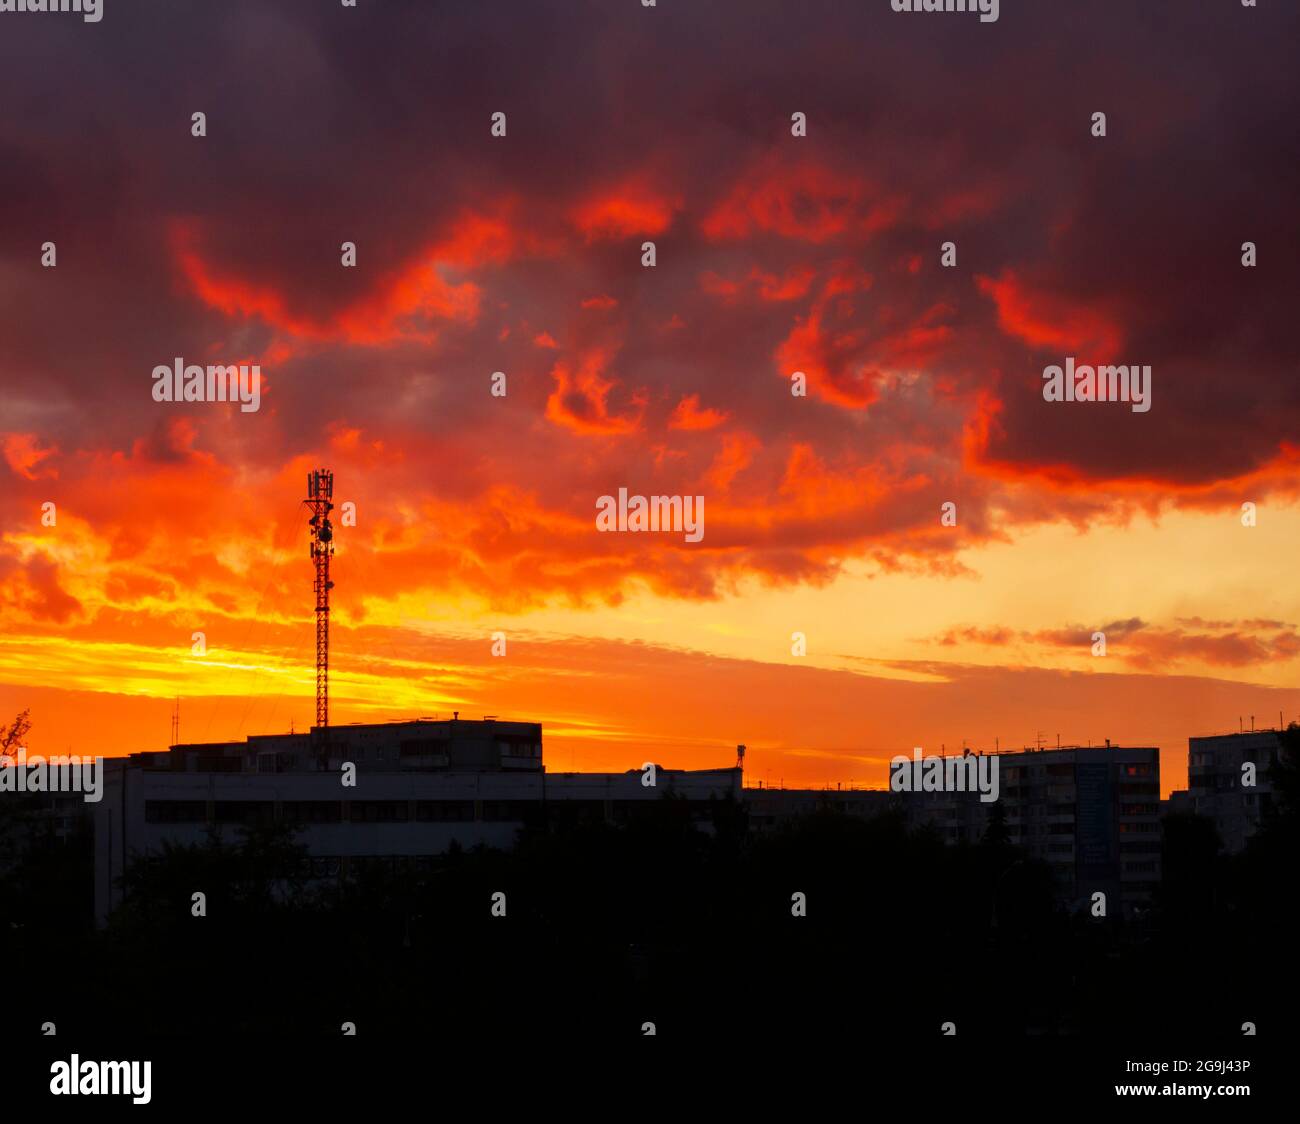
(176, 722)
(320, 494)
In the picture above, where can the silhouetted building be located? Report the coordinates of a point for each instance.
(35, 816)
(423, 745)
(1215, 781)
(1093, 815)
(420, 786)
(770, 807)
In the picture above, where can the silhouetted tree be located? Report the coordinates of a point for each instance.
(1188, 851)
(996, 833)
(14, 735)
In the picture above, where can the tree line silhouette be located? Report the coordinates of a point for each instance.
(608, 927)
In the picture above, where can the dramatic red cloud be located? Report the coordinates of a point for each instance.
(1047, 321)
(521, 254)
(631, 209)
(833, 349)
(402, 305)
(771, 287)
(803, 201)
(688, 415)
(737, 454)
(814, 488)
(579, 401)
(23, 454)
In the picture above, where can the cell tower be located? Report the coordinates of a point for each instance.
(320, 493)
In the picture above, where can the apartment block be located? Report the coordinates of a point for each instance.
(1217, 781)
(1093, 815)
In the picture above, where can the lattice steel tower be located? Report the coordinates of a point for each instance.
(320, 493)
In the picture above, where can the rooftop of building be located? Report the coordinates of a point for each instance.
(426, 744)
(998, 751)
(351, 731)
(1239, 735)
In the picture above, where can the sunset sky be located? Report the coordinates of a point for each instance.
(522, 254)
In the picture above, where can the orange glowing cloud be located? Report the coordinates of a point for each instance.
(832, 348)
(34, 594)
(736, 455)
(23, 454)
(1047, 321)
(688, 415)
(579, 401)
(807, 202)
(819, 255)
(633, 208)
(771, 287)
(813, 489)
(984, 435)
(1141, 644)
(402, 306)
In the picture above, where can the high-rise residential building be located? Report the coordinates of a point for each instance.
(1091, 814)
(1219, 768)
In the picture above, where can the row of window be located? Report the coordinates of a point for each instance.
(331, 866)
(252, 813)
(1138, 788)
(1139, 847)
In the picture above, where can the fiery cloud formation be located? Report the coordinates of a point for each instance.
(775, 254)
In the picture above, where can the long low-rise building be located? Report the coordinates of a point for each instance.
(769, 808)
(417, 788)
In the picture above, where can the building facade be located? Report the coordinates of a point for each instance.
(1216, 781)
(1092, 815)
(419, 787)
(768, 808)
